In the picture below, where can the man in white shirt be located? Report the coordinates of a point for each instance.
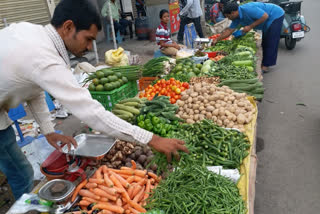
(34, 58)
(191, 12)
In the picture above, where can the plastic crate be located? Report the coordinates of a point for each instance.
(109, 98)
(133, 88)
(144, 82)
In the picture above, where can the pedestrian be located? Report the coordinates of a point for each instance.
(163, 36)
(191, 13)
(216, 14)
(35, 58)
(261, 16)
(120, 23)
(141, 11)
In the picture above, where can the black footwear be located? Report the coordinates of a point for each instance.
(264, 72)
(180, 42)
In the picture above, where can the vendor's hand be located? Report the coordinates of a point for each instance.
(246, 29)
(168, 146)
(54, 138)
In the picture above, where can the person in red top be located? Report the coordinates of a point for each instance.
(163, 36)
(216, 14)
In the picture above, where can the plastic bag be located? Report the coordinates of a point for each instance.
(232, 174)
(21, 205)
(116, 57)
(184, 53)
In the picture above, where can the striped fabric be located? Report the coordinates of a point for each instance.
(214, 11)
(163, 34)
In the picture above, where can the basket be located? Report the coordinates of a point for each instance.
(144, 82)
(109, 98)
(211, 54)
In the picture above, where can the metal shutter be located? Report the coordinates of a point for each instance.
(34, 11)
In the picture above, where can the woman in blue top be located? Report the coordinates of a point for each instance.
(260, 16)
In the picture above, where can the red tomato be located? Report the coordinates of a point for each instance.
(163, 81)
(176, 97)
(172, 79)
(182, 89)
(186, 85)
(178, 82)
(172, 100)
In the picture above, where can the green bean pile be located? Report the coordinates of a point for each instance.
(193, 189)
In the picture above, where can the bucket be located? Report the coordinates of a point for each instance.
(142, 28)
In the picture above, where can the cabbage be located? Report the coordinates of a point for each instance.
(205, 68)
(208, 62)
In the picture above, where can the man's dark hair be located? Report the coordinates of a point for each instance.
(82, 12)
(230, 7)
(224, 1)
(162, 12)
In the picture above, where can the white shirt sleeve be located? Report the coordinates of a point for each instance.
(60, 83)
(186, 8)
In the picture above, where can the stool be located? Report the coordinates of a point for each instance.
(189, 34)
(109, 35)
(158, 53)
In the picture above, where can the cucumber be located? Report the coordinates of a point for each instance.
(123, 116)
(171, 116)
(134, 99)
(249, 87)
(127, 108)
(248, 81)
(156, 103)
(118, 111)
(243, 63)
(133, 104)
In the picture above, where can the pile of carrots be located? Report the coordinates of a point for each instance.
(217, 58)
(124, 190)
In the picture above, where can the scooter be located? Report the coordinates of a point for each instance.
(294, 25)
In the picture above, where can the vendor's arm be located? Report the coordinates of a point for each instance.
(186, 8)
(166, 45)
(225, 34)
(39, 109)
(60, 83)
(256, 23)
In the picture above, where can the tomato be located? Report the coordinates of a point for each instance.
(186, 85)
(172, 79)
(158, 82)
(173, 87)
(172, 100)
(176, 97)
(178, 91)
(141, 95)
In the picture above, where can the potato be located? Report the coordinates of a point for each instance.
(191, 112)
(190, 100)
(226, 122)
(201, 108)
(197, 89)
(241, 104)
(180, 113)
(203, 90)
(241, 119)
(206, 101)
(185, 116)
(190, 121)
(212, 103)
(194, 94)
(219, 122)
(201, 117)
(225, 99)
(203, 112)
(184, 97)
(230, 117)
(189, 105)
(221, 111)
(196, 117)
(223, 117)
(180, 103)
(230, 125)
(200, 98)
(215, 112)
(196, 106)
(223, 104)
(212, 90)
(196, 111)
(217, 105)
(234, 117)
(209, 115)
(229, 102)
(210, 108)
(195, 99)
(237, 112)
(214, 118)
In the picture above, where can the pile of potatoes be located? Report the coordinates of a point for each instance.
(224, 106)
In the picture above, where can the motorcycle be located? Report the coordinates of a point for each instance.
(294, 24)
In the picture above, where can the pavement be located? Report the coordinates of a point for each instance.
(289, 132)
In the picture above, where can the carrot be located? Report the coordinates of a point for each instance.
(83, 208)
(118, 190)
(130, 191)
(107, 180)
(109, 190)
(119, 202)
(148, 189)
(136, 190)
(134, 165)
(104, 199)
(152, 187)
(102, 193)
(134, 211)
(95, 180)
(84, 203)
(106, 212)
(109, 207)
(138, 196)
(125, 168)
(140, 173)
(91, 185)
(136, 206)
(98, 173)
(154, 176)
(126, 206)
(142, 182)
(125, 176)
(92, 200)
(116, 182)
(137, 178)
(123, 182)
(79, 187)
(87, 193)
(130, 179)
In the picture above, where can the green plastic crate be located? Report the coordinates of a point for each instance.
(109, 98)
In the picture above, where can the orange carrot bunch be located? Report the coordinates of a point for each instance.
(117, 191)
